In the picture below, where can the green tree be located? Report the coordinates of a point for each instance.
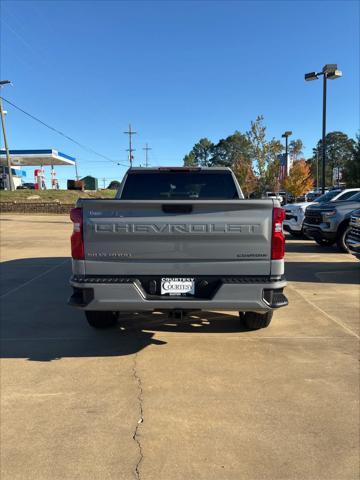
(339, 150)
(296, 148)
(231, 150)
(201, 154)
(189, 160)
(351, 172)
(114, 185)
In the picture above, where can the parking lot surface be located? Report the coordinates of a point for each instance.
(157, 399)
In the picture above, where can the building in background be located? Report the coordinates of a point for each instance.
(90, 183)
(34, 158)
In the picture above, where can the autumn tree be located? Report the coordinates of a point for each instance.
(253, 157)
(245, 176)
(264, 152)
(272, 177)
(299, 181)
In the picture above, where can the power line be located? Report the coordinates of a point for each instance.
(81, 145)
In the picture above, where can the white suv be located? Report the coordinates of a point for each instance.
(295, 212)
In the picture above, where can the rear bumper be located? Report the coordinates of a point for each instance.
(126, 294)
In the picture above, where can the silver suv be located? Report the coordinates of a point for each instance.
(328, 223)
(295, 212)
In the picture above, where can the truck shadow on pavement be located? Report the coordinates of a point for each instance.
(338, 271)
(309, 246)
(323, 272)
(37, 323)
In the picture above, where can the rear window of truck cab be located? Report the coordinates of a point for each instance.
(180, 185)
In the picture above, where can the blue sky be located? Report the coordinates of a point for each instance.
(178, 71)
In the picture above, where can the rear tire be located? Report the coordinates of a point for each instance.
(98, 319)
(340, 240)
(255, 321)
(324, 242)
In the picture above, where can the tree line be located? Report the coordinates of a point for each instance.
(255, 160)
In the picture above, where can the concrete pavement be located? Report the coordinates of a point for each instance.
(155, 399)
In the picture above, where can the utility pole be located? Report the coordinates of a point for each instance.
(11, 181)
(146, 148)
(104, 182)
(130, 149)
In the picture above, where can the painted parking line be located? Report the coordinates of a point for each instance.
(40, 275)
(330, 317)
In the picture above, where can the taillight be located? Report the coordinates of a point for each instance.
(77, 240)
(278, 239)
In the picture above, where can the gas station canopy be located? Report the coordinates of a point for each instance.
(37, 158)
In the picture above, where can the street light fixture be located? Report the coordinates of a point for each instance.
(311, 76)
(331, 72)
(286, 135)
(2, 113)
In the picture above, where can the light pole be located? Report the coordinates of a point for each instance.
(11, 181)
(286, 135)
(329, 71)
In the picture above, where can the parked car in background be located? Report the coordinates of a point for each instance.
(313, 195)
(352, 239)
(26, 186)
(295, 212)
(274, 196)
(328, 223)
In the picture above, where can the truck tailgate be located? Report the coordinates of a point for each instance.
(177, 237)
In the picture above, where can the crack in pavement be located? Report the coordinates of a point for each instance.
(141, 418)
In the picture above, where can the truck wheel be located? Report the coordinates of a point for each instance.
(254, 321)
(340, 240)
(101, 319)
(324, 242)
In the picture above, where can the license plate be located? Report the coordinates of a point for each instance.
(177, 286)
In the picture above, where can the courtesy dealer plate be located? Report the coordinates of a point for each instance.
(177, 286)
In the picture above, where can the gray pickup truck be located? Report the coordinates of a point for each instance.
(328, 223)
(178, 240)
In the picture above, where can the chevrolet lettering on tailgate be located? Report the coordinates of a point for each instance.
(175, 228)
